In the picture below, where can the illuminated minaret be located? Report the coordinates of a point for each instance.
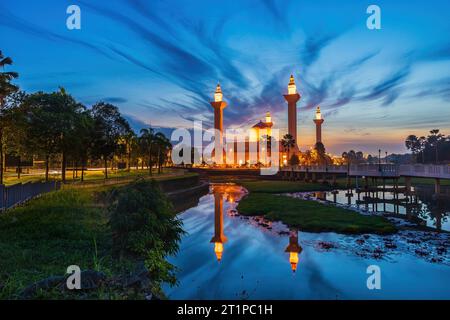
(293, 249)
(292, 98)
(219, 238)
(218, 104)
(318, 121)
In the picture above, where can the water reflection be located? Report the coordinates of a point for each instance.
(294, 249)
(418, 206)
(232, 193)
(219, 238)
(255, 257)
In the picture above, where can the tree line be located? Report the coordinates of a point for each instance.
(54, 126)
(434, 148)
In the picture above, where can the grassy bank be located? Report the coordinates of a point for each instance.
(284, 186)
(73, 227)
(90, 176)
(276, 186)
(312, 216)
(48, 235)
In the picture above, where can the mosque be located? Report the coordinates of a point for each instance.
(263, 130)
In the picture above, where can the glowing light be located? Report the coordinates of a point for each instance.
(218, 249)
(218, 96)
(318, 114)
(292, 88)
(268, 117)
(240, 162)
(293, 259)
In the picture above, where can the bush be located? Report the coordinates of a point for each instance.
(144, 226)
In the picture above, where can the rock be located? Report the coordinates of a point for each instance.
(436, 260)
(45, 284)
(441, 250)
(91, 279)
(139, 279)
(366, 236)
(413, 241)
(390, 245)
(421, 252)
(360, 241)
(326, 245)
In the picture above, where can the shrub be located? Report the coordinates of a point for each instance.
(144, 226)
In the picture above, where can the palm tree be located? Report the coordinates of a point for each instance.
(434, 139)
(163, 146)
(422, 144)
(148, 141)
(412, 143)
(267, 141)
(288, 142)
(6, 88)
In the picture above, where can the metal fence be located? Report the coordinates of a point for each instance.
(11, 196)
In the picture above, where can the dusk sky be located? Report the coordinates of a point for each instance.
(160, 61)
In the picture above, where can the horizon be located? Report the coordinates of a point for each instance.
(160, 64)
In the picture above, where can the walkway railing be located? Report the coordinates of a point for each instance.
(11, 196)
(380, 170)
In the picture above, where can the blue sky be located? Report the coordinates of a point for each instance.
(159, 61)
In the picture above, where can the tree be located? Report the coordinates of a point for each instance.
(288, 142)
(6, 88)
(434, 139)
(109, 127)
(163, 146)
(52, 119)
(14, 129)
(412, 143)
(294, 160)
(83, 143)
(147, 142)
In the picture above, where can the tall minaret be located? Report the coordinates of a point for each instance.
(218, 104)
(318, 121)
(294, 249)
(292, 97)
(219, 238)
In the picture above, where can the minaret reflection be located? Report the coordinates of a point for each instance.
(219, 238)
(294, 249)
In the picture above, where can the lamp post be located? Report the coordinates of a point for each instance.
(386, 159)
(379, 160)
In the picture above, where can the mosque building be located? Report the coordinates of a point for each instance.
(263, 131)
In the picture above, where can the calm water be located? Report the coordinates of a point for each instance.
(434, 213)
(226, 256)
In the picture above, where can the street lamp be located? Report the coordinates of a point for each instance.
(379, 160)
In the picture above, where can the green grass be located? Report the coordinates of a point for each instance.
(284, 186)
(275, 186)
(312, 216)
(89, 176)
(50, 233)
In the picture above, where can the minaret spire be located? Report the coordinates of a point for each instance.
(292, 98)
(218, 104)
(318, 121)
